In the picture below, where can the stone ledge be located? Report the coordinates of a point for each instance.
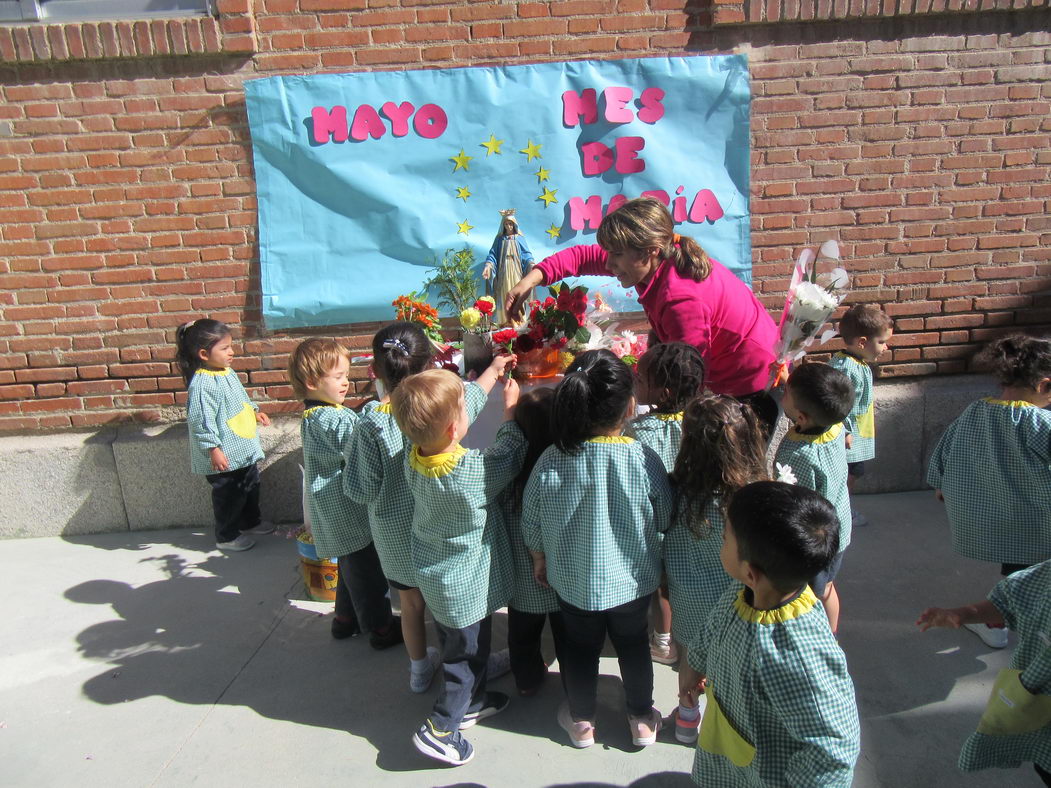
(740, 12)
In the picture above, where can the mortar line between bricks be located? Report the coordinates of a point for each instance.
(222, 693)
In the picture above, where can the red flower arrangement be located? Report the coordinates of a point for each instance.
(552, 322)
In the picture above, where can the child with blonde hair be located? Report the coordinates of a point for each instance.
(224, 441)
(459, 545)
(992, 466)
(319, 370)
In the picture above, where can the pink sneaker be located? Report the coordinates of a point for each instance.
(581, 734)
(644, 729)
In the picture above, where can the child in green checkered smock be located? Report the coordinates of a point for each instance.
(669, 375)
(459, 544)
(723, 448)
(532, 604)
(817, 399)
(224, 442)
(779, 702)
(992, 466)
(1016, 725)
(594, 509)
(319, 370)
(866, 329)
(374, 476)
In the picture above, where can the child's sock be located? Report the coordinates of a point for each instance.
(420, 665)
(689, 713)
(662, 638)
(687, 723)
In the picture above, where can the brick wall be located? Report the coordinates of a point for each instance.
(919, 137)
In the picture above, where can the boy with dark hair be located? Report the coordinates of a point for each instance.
(866, 329)
(780, 703)
(817, 399)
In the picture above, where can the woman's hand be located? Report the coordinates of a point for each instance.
(518, 295)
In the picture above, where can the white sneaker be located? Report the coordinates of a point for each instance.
(857, 519)
(991, 636)
(264, 527)
(664, 653)
(242, 542)
(421, 682)
(499, 664)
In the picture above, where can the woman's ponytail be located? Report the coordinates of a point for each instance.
(691, 261)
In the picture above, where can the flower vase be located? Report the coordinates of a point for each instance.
(477, 353)
(543, 362)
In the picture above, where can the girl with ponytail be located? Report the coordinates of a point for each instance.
(992, 466)
(688, 297)
(592, 514)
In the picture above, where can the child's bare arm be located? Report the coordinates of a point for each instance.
(488, 378)
(539, 568)
(511, 394)
(939, 496)
(219, 462)
(984, 612)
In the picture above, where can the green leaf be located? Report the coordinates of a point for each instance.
(582, 335)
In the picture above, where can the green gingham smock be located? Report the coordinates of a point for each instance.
(219, 413)
(528, 595)
(1024, 599)
(780, 702)
(662, 432)
(861, 422)
(459, 543)
(696, 578)
(820, 463)
(598, 517)
(993, 466)
(375, 476)
(339, 525)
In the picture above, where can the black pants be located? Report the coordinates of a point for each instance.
(362, 590)
(465, 661)
(1044, 775)
(524, 634)
(235, 501)
(628, 629)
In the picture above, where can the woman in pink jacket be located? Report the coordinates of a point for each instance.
(687, 296)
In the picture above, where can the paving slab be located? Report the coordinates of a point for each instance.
(148, 658)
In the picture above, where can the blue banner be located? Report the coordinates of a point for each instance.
(365, 179)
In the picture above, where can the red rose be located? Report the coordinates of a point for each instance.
(505, 336)
(525, 343)
(549, 302)
(484, 307)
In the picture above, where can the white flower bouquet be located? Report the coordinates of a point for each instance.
(811, 300)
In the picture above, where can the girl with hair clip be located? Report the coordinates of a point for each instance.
(992, 466)
(224, 443)
(594, 508)
(669, 376)
(723, 449)
(374, 476)
(687, 296)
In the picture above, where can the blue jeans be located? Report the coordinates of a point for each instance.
(465, 660)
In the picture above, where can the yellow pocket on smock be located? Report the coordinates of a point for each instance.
(719, 737)
(867, 423)
(1012, 708)
(243, 424)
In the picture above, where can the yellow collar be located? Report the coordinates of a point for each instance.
(855, 359)
(827, 436)
(384, 407)
(610, 439)
(1009, 403)
(436, 465)
(803, 603)
(310, 411)
(668, 416)
(214, 372)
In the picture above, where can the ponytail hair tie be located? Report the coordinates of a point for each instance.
(396, 344)
(676, 238)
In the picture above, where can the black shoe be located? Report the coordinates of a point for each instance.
(392, 637)
(345, 629)
(494, 703)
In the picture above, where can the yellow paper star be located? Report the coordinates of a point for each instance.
(461, 160)
(532, 150)
(554, 231)
(542, 175)
(492, 145)
(548, 196)
(462, 193)
(464, 227)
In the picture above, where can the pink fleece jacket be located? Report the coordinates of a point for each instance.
(720, 316)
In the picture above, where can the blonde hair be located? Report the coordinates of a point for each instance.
(426, 403)
(311, 360)
(645, 223)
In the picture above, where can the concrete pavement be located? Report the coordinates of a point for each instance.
(148, 658)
